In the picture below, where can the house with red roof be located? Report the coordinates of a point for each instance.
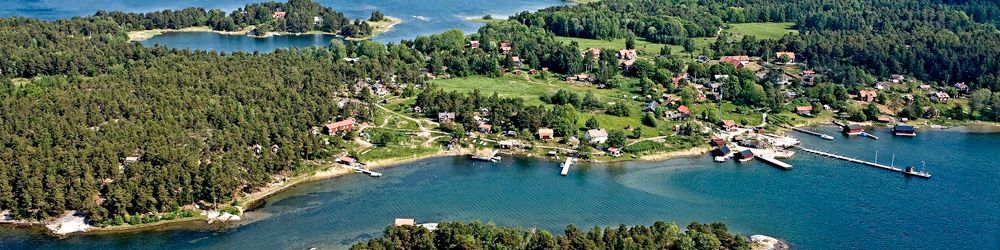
(341, 126)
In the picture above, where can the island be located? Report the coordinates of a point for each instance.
(108, 135)
(255, 20)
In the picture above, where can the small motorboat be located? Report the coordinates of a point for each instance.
(720, 159)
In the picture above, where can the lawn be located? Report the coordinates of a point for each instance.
(730, 112)
(610, 122)
(530, 91)
(763, 30)
(514, 87)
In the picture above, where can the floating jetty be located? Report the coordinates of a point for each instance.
(872, 164)
(775, 162)
(565, 166)
(771, 157)
(359, 169)
(866, 134)
(821, 135)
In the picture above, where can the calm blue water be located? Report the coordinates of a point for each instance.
(231, 43)
(820, 204)
(422, 17)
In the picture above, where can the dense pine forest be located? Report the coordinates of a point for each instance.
(933, 40)
(477, 235)
(77, 98)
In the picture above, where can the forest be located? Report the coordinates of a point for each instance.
(299, 16)
(478, 235)
(939, 41)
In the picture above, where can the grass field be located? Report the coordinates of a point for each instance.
(763, 30)
(730, 112)
(512, 87)
(530, 91)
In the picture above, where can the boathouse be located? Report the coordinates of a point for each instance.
(903, 129)
(853, 129)
(721, 151)
(744, 155)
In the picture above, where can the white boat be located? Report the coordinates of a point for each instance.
(826, 137)
(374, 174)
(720, 159)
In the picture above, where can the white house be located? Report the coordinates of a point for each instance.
(596, 136)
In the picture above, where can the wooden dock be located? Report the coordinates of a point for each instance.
(565, 166)
(849, 159)
(821, 135)
(866, 134)
(490, 156)
(366, 171)
(775, 162)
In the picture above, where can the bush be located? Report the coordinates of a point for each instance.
(619, 109)
(643, 147)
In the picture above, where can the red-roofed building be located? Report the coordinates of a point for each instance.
(485, 128)
(867, 95)
(546, 134)
(804, 110)
(278, 14)
(738, 61)
(474, 44)
(341, 126)
(684, 110)
(728, 124)
(718, 142)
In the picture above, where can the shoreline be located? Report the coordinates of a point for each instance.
(252, 201)
(378, 28)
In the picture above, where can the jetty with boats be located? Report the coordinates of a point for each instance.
(908, 171)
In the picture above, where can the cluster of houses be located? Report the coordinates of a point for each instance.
(377, 87)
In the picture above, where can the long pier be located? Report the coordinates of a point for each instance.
(565, 166)
(849, 159)
(821, 135)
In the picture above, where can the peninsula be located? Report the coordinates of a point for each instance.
(115, 136)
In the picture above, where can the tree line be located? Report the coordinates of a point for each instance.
(477, 235)
(942, 41)
(295, 16)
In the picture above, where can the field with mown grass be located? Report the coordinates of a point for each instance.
(520, 87)
(763, 30)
